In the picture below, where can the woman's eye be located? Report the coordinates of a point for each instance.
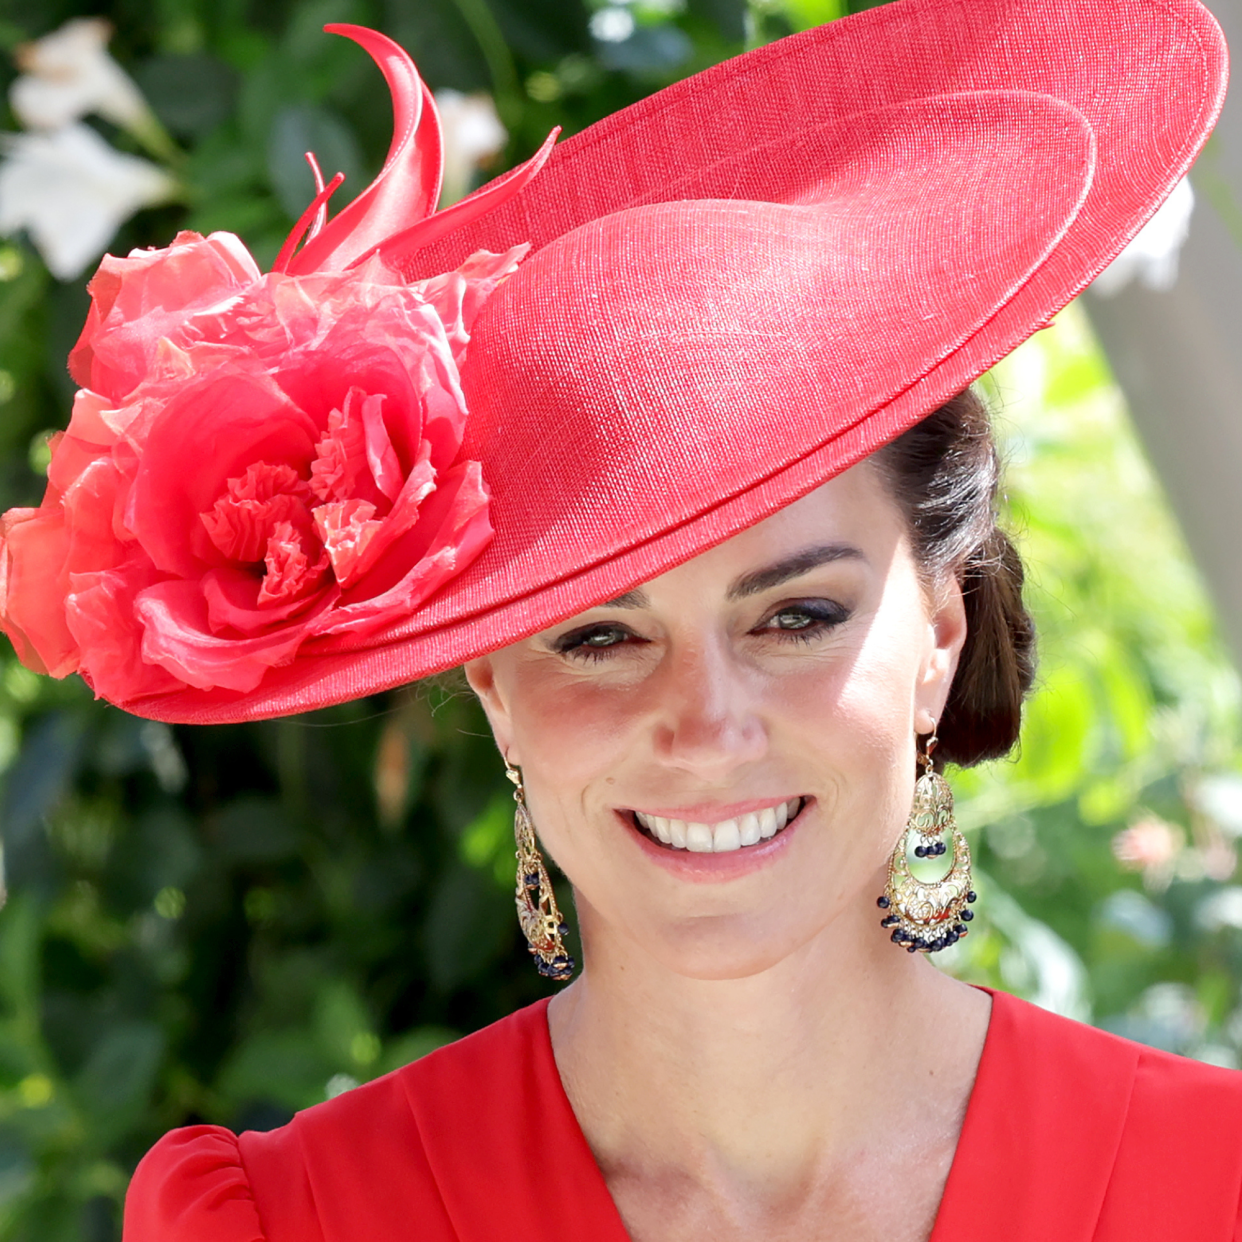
(593, 641)
(793, 620)
(805, 620)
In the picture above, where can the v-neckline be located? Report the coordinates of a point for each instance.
(1013, 1173)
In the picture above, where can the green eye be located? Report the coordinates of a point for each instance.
(593, 638)
(806, 620)
(604, 637)
(792, 620)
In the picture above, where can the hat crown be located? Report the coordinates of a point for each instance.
(652, 351)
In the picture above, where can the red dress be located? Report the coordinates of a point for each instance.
(1071, 1135)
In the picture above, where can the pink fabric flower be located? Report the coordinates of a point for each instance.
(270, 463)
(259, 465)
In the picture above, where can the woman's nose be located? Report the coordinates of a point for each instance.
(707, 718)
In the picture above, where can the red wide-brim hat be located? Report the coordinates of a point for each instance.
(745, 284)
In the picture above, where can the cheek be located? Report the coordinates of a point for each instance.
(573, 728)
(855, 705)
(851, 719)
(880, 689)
(573, 737)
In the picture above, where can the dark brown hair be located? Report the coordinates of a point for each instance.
(944, 474)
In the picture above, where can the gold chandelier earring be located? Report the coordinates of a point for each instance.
(538, 914)
(927, 916)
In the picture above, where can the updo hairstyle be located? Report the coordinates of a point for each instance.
(944, 474)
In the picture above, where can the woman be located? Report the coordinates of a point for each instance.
(700, 503)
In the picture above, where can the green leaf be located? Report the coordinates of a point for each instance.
(803, 14)
(115, 1085)
(20, 935)
(487, 842)
(1055, 735)
(344, 1028)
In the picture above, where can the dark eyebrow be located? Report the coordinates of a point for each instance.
(636, 598)
(792, 567)
(760, 579)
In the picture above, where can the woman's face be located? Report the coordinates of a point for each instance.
(665, 736)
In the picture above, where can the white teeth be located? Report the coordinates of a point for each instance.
(750, 829)
(768, 822)
(724, 837)
(699, 838)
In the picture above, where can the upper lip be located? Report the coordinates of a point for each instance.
(716, 812)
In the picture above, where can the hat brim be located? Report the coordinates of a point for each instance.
(1117, 98)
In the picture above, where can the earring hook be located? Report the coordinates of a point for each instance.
(515, 775)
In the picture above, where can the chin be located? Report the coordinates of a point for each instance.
(724, 947)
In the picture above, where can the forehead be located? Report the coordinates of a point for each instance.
(854, 510)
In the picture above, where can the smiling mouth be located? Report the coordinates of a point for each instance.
(724, 837)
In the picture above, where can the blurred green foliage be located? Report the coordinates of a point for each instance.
(229, 924)
(1112, 836)
(1116, 827)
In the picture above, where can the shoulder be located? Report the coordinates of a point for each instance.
(1159, 1083)
(365, 1160)
(1155, 1140)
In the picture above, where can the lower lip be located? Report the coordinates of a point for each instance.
(709, 868)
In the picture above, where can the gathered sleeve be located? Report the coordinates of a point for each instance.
(192, 1187)
(472, 1143)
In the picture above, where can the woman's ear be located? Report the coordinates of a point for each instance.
(481, 677)
(947, 632)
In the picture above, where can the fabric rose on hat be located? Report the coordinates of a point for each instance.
(284, 468)
(259, 465)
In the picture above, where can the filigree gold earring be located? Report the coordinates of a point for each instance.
(927, 916)
(538, 914)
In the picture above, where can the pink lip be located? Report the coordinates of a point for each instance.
(717, 812)
(717, 868)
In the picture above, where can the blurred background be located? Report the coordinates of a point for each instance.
(229, 924)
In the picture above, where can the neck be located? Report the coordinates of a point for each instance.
(760, 1084)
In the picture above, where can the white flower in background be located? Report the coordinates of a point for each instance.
(473, 134)
(71, 192)
(68, 74)
(1152, 255)
(1223, 908)
(613, 24)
